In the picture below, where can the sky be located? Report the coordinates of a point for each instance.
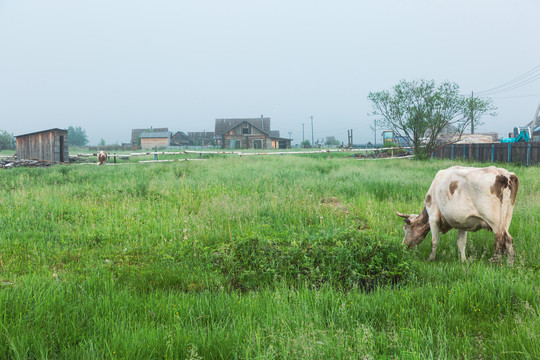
(111, 66)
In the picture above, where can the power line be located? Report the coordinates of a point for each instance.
(517, 96)
(521, 80)
(515, 86)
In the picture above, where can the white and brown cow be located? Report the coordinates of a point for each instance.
(466, 199)
(102, 157)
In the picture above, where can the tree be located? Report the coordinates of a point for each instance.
(305, 144)
(331, 140)
(7, 141)
(77, 136)
(420, 111)
(475, 108)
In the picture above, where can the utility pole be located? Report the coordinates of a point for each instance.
(303, 132)
(375, 129)
(312, 138)
(472, 118)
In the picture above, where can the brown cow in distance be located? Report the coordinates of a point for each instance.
(466, 199)
(102, 157)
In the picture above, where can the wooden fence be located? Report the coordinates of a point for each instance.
(523, 153)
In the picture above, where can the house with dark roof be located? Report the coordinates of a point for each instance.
(155, 139)
(180, 139)
(249, 133)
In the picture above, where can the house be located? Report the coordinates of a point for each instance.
(181, 139)
(48, 145)
(250, 133)
(155, 139)
(136, 133)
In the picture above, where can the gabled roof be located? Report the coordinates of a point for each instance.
(155, 134)
(181, 134)
(246, 122)
(43, 131)
(135, 133)
(224, 125)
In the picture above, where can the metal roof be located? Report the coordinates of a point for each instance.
(43, 131)
(155, 134)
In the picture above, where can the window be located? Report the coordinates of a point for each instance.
(246, 130)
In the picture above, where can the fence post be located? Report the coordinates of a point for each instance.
(509, 152)
(477, 152)
(452, 156)
(528, 154)
(492, 152)
(442, 151)
(464, 149)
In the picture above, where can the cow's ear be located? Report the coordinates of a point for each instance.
(407, 221)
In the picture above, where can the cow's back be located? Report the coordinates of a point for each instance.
(468, 197)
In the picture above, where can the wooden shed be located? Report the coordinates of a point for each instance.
(48, 145)
(155, 139)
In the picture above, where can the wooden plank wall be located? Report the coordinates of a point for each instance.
(43, 146)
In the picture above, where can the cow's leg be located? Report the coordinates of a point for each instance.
(461, 243)
(500, 244)
(509, 243)
(434, 226)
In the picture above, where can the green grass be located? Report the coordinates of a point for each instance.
(236, 257)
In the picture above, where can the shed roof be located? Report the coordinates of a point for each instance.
(43, 131)
(155, 134)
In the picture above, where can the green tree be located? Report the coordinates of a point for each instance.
(7, 141)
(420, 111)
(331, 140)
(475, 108)
(305, 144)
(77, 136)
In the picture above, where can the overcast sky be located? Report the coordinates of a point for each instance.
(113, 65)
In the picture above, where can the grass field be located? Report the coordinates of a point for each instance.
(236, 257)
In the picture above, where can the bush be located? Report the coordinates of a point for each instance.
(347, 259)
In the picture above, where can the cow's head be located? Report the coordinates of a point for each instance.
(416, 228)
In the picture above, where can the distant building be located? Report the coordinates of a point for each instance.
(48, 145)
(155, 139)
(250, 133)
(180, 139)
(202, 138)
(136, 133)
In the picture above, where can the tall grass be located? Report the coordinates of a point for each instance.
(144, 261)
